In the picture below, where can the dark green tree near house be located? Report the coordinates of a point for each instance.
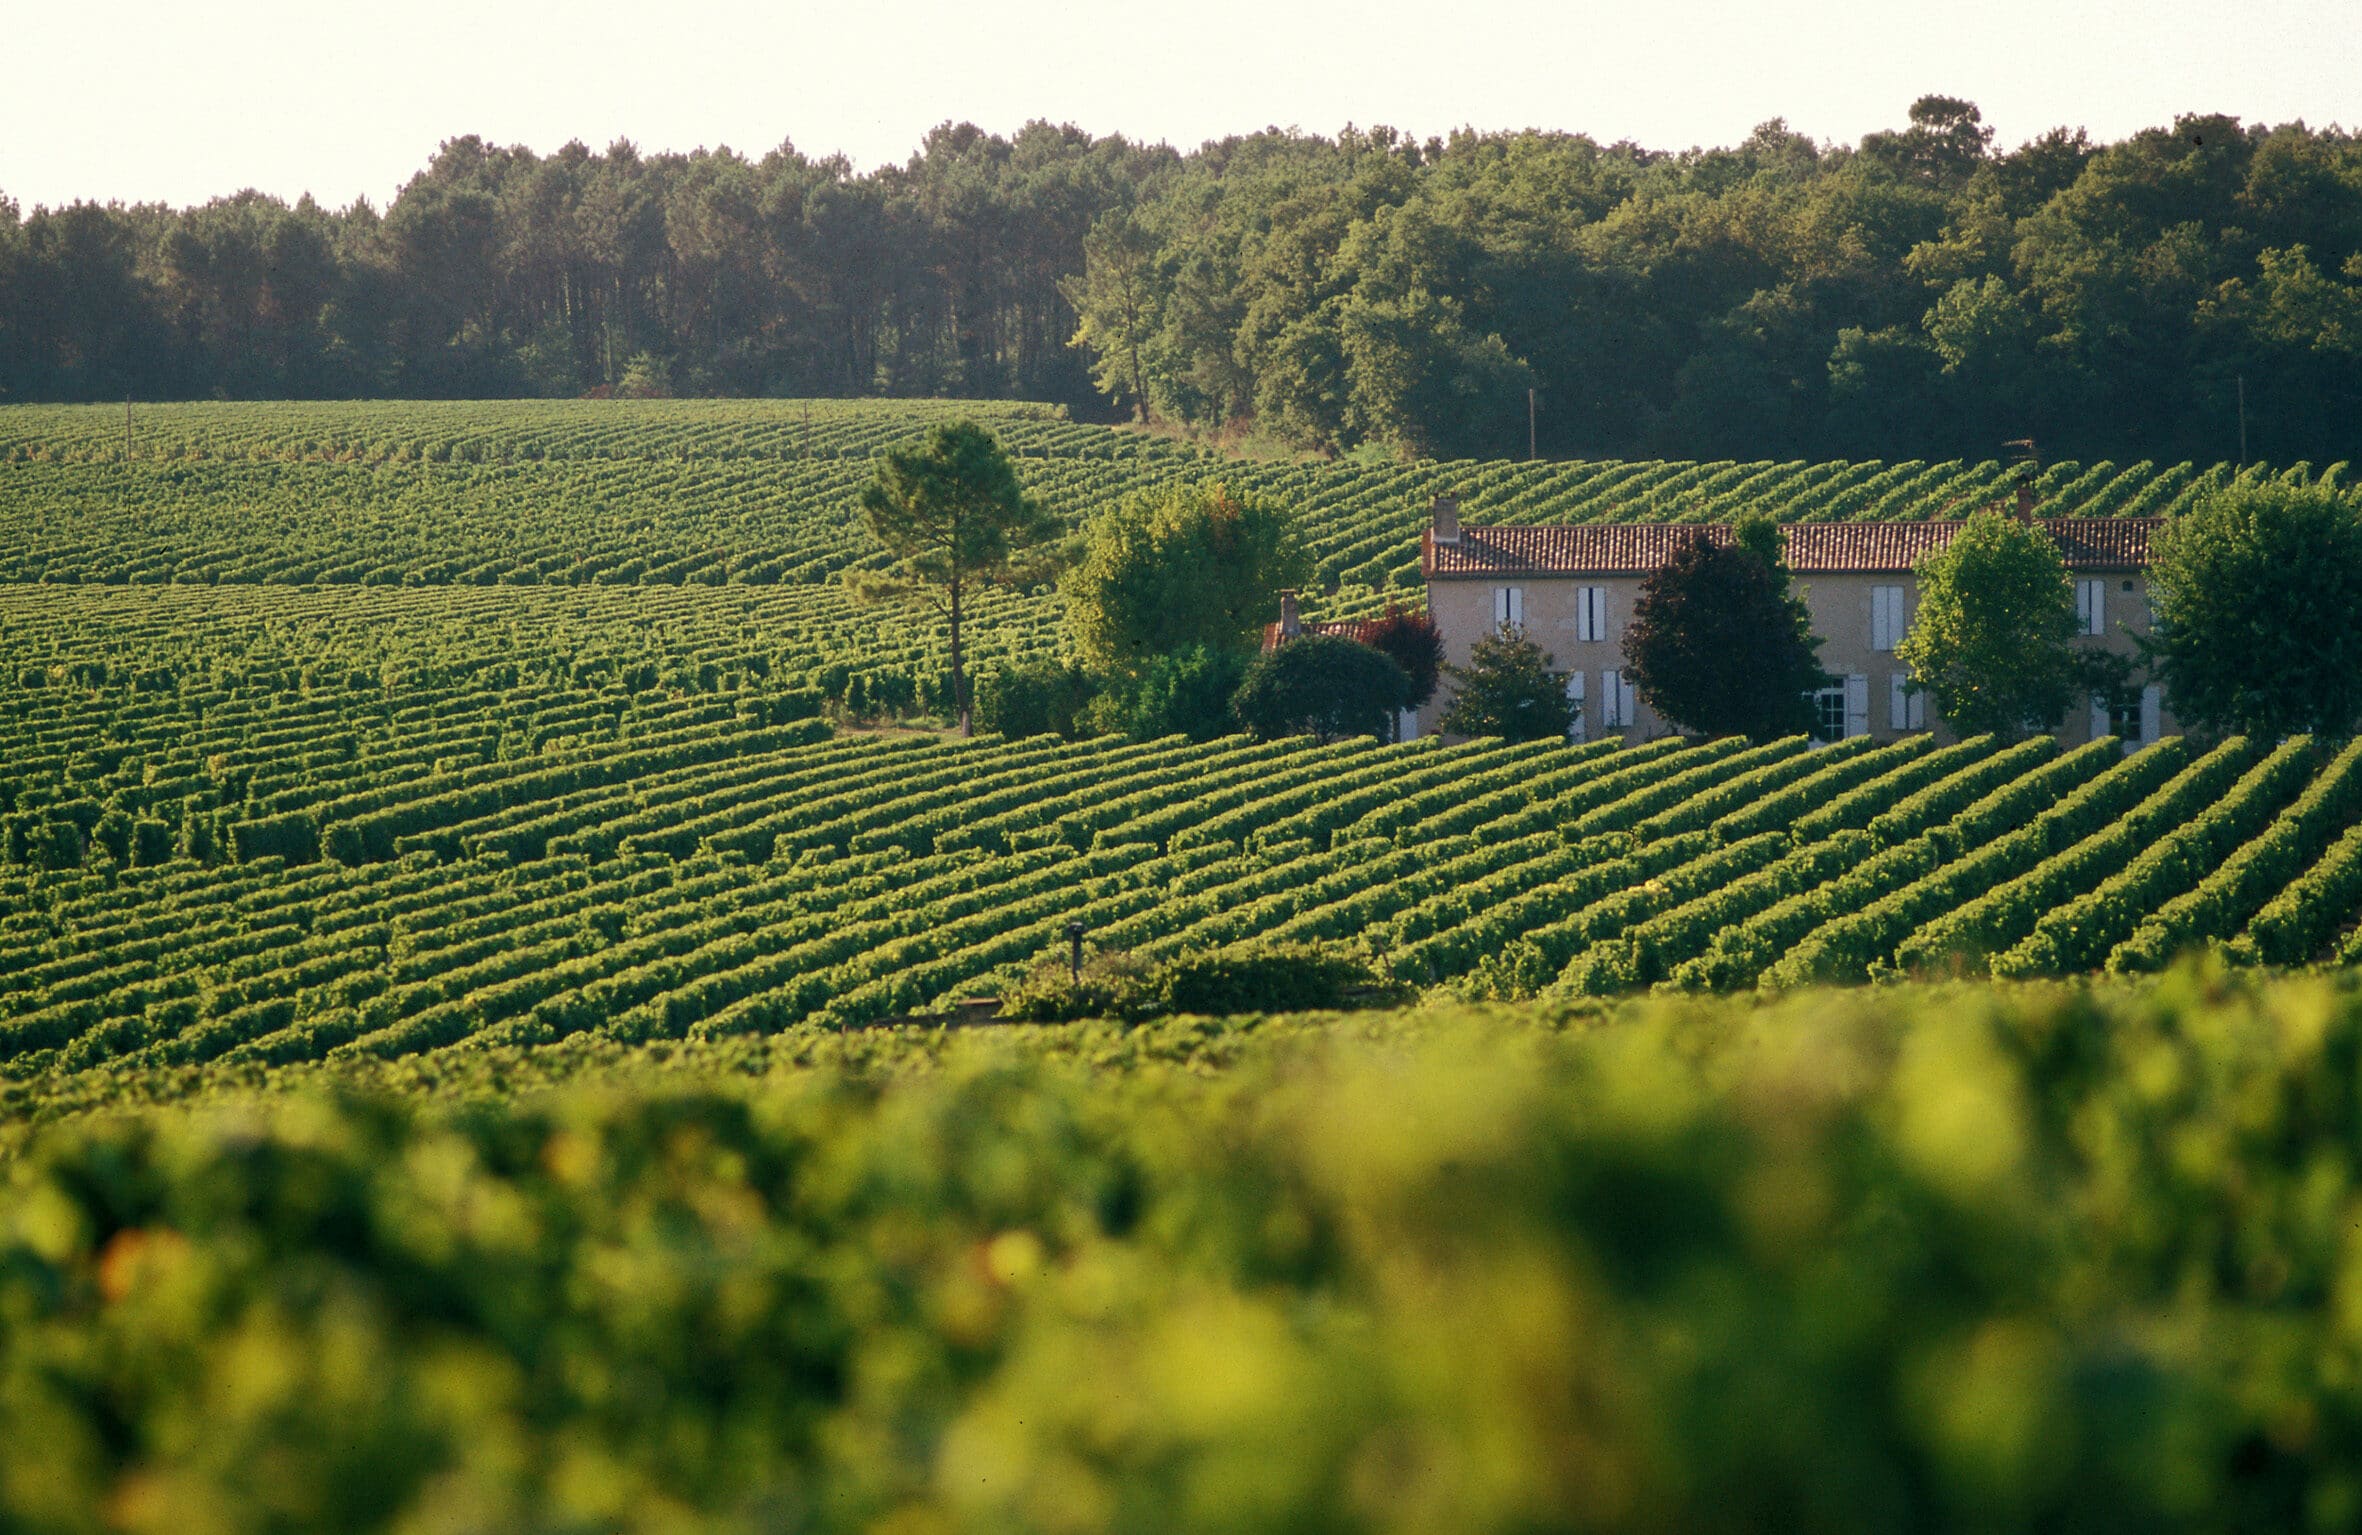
(951, 513)
(2258, 596)
(1321, 685)
(1719, 645)
(1508, 689)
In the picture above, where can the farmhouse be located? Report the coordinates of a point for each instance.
(1572, 589)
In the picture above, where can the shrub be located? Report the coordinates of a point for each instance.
(1253, 977)
(1047, 698)
(1322, 686)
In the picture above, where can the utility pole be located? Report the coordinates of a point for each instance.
(1529, 425)
(2242, 421)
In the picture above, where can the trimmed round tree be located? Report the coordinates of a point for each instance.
(1718, 645)
(1320, 685)
(2258, 595)
(1507, 689)
(1991, 642)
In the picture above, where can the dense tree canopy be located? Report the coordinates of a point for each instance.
(1177, 566)
(1509, 689)
(1925, 293)
(1992, 640)
(1321, 685)
(1718, 644)
(2259, 613)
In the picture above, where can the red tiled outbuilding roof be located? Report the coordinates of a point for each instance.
(1824, 548)
(1356, 629)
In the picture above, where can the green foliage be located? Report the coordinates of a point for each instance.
(1925, 293)
(951, 514)
(1185, 692)
(1182, 565)
(1507, 689)
(1717, 643)
(1990, 642)
(1261, 977)
(1321, 685)
(2258, 593)
(1045, 698)
(986, 1279)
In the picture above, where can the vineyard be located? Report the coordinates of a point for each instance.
(709, 493)
(523, 864)
(1973, 1259)
(472, 1047)
(363, 730)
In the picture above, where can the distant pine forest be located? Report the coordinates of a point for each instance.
(2190, 293)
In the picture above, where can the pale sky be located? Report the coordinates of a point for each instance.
(182, 101)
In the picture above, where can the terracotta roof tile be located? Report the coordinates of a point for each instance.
(1597, 548)
(1343, 628)
(1825, 548)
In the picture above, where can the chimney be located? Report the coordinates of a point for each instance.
(1289, 625)
(1447, 519)
(2025, 508)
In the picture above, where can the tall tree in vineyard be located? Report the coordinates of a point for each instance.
(951, 513)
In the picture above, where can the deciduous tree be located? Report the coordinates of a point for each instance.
(2258, 595)
(1508, 690)
(1718, 644)
(1178, 566)
(1321, 685)
(1991, 642)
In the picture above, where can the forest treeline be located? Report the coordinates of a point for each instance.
(1922, 293)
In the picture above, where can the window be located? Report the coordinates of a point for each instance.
(1619, 701)
(1508, 606)
(1590, 612)
(2136, 721)
(1886, 617)
(1829, 714)
(1841, 712)
(2091, 607)
(1905, 710)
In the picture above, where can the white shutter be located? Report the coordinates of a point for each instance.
(1627, 701)
(1613, 693)
(2152, 712)
(1918, 711)
(1580, 729)
(2091, 606)
(1898, 700)
(1857, 705)
(1590, 613)
(2100, 723)
(1407, 728)
(1517, 606)
(1501, 606)
(1886, 617)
